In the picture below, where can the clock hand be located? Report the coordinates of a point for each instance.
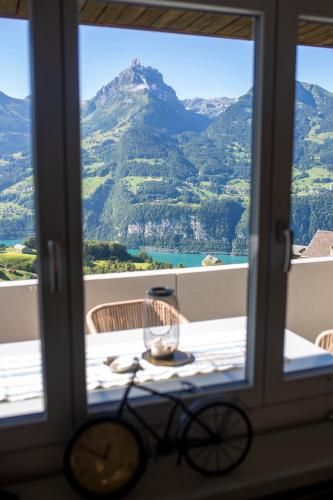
(106, 452)
(92, 452)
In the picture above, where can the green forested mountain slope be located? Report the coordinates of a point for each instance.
(161, 172)
(15, 167)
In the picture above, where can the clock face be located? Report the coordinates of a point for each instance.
(104, 458)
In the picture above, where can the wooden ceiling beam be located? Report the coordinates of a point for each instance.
(221, 21)
(149, 16)
(237, 25)
(110, 14)
(130, 15)
(185, 20)
(91, 11)
(201, 23)
(167, 18)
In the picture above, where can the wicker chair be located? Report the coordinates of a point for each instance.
(325, 340)
(128, 315)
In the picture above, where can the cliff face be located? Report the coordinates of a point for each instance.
(192, 230)
(170, 226)
(188, 234)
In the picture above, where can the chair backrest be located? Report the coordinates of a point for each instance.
(128, 315)
(325, 340)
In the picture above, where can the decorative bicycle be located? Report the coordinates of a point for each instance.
(107, 456)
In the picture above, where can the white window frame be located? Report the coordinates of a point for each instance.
(251, 390)
(35, 431)
(318, 382)
(58, 171)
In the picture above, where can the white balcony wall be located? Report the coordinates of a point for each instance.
(213, 292)
(18, 311)
(310, 297)
(100, 289)
(203, 293)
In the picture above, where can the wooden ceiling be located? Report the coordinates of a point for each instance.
(169, 20)
(196, 22)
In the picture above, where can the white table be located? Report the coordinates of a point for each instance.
(217, 345)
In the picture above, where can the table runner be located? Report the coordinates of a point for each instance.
(217, 345)
(226, 355)
(20, 374)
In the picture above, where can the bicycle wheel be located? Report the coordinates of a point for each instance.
(216, 438)
(105, 458)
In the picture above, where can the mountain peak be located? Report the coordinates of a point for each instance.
(140, 95)
(135, 62)
(313, 95)
(136, 79)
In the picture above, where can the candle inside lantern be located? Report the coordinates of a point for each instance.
(161, 349)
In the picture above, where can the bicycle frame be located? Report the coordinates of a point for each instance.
(178, 403)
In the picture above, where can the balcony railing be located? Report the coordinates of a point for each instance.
(203, 293)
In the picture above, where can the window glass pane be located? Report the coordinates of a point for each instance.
(21, 389)
(166, 135)
(309, 308)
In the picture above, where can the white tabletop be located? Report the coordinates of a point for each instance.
(217, 346)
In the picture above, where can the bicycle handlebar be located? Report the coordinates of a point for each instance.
(136, 367)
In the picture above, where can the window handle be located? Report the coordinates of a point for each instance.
(285, 235)
(55, 265)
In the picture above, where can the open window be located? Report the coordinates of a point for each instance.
(303, 201)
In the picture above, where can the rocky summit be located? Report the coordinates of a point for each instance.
(139, 95)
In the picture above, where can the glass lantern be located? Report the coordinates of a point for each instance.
(161, 322)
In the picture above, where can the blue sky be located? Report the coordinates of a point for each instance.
(192, 65)
(14, 58)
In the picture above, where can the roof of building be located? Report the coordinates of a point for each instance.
(299, 250)
(19, 246)
(321, 245)
(210, 260)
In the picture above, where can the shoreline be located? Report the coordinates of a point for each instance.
(161, 250)
(183, 251)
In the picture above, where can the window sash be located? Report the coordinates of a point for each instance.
(280, 387)
(260, 200)
(19, 432)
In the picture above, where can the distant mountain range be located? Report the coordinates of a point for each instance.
(211, 107)
(158, 171)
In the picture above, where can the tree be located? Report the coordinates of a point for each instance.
(31, 242)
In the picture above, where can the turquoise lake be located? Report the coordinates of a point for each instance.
(189, 259)
(174, 258)
(9, 243)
